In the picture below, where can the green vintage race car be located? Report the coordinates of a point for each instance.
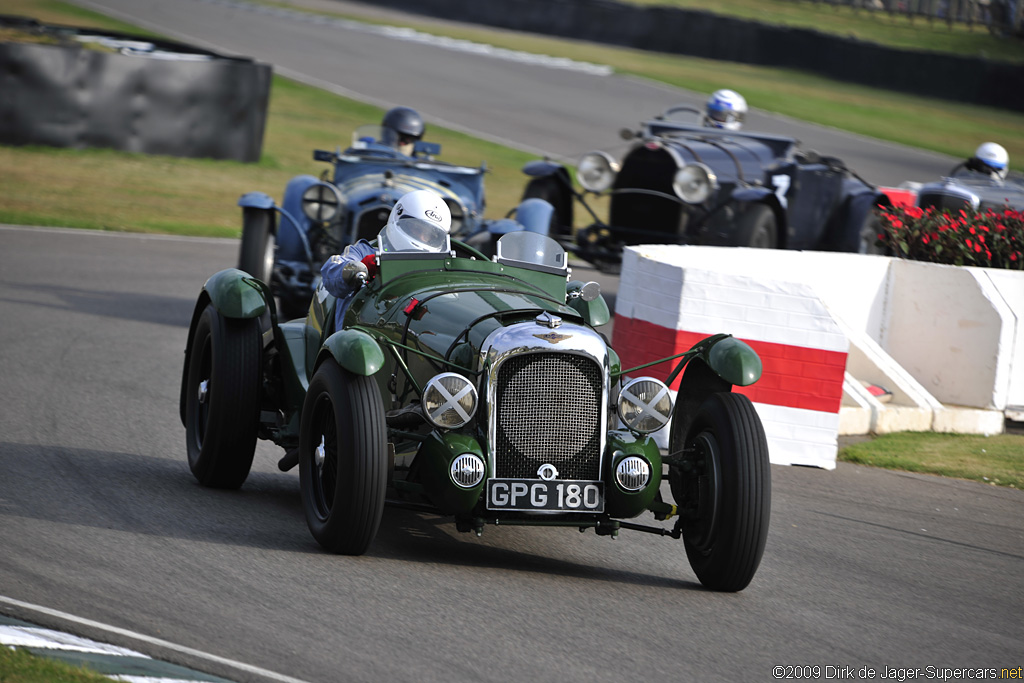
(478, 389)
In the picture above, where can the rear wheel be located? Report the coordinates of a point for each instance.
(725, 497)
(258, 241)
(222, 399)
(758, 228)
(343, 459)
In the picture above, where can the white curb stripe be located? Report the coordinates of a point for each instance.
(174, 647)
(44, 638)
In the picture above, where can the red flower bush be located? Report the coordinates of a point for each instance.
(993, 239)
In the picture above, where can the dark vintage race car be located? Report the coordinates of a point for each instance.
(478, 389)
(971, 190)
(286, 244)
(684, 184)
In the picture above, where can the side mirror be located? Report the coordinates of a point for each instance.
(586, 291)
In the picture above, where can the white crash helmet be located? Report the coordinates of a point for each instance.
(994, 157)
(725, 109)
(419, 221)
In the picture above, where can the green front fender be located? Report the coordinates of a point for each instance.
(719, 363)
(354, 350)
(734, 361)
(236, 294)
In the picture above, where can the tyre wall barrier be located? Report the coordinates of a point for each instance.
(946, 341)
(703, 34)
(136, 95)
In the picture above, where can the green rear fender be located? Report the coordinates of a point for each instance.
(354, 350)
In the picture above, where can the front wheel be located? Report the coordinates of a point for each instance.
(256, 256)
(726, 494)
(222, 399)
(343, 459)
(758, 228)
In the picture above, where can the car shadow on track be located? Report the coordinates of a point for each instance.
(157, 496)
(133, 306)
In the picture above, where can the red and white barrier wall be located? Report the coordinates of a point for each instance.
(822, 321)
(663, 308)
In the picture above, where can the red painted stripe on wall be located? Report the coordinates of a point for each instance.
(792, 376)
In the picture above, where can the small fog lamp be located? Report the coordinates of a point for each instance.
(633, 473)
(467, 470)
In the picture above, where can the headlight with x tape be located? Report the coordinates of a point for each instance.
(645, 405)
(449, 400)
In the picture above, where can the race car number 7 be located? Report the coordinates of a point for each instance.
(781, 183)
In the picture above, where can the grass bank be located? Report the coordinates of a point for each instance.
(21, 666)
(996, 460)
(894, 30)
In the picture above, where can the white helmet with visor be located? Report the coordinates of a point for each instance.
(725, 109)
(419, 221)
(994, 157)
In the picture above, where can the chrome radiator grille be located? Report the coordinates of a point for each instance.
(549, 411)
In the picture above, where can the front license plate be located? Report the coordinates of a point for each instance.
(534, 494)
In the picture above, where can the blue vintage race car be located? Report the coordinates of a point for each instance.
(680, 183)
(286, 243)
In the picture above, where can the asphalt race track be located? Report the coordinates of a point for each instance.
(100, 518)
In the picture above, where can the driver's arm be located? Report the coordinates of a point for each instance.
(331, 272)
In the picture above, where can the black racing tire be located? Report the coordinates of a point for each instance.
(725, 539)
(256, 255)
(551, 189)
(343, 459)
(758, 228)
(222, 399)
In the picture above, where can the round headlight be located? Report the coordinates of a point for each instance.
(645, 405)
(596, 171)
(693, 183)
(449, 400)
(321, 202)
(467, 470)
(633, 473)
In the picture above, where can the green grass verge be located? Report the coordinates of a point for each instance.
(997, 460)
(21, 666)
(894, 30)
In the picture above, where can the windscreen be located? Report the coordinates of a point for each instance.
(525, 247)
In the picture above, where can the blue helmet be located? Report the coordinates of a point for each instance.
(725, 109)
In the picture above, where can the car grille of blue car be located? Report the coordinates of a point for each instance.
(549, 412)
(369, 223)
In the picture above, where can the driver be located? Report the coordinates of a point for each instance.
(419, 221)
(725, 109)
(991, 159)
(402, 128)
